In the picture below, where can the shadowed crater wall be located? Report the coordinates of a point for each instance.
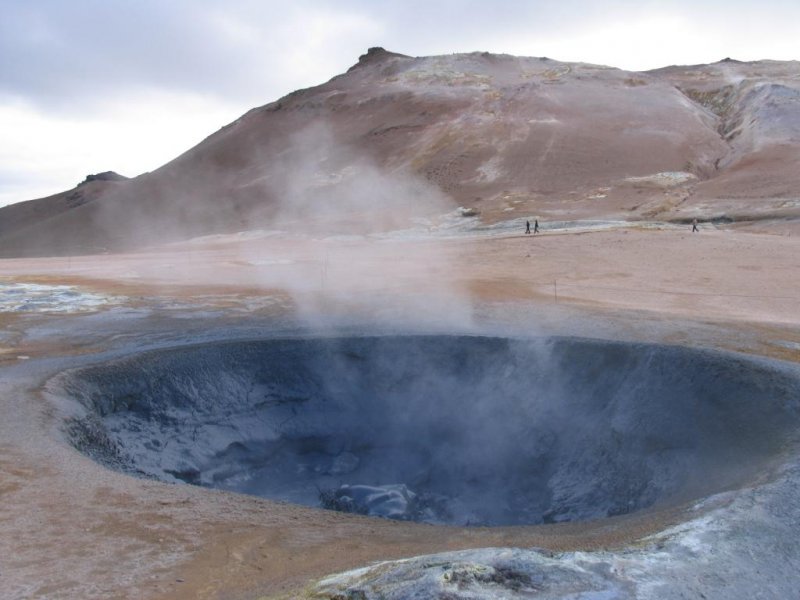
(444, 429)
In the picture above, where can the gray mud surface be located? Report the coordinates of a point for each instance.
(442, 429)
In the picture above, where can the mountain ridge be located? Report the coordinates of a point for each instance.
(507, 136)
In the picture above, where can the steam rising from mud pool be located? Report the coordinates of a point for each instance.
(443, 429)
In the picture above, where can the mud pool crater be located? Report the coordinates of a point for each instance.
(443, 429)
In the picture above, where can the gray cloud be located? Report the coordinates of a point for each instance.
(58, 54)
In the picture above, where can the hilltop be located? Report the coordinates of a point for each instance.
(397, 138)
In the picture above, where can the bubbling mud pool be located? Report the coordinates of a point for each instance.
(443, 429)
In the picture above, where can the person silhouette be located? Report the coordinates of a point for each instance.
(536, 226)
(694, 225)
(527, 226)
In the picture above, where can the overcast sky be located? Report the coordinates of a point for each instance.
(126, 85)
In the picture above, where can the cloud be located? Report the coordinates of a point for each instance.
(652, 36)
(42, 154)
(70, 56)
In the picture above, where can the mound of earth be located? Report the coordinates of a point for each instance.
(398, 138)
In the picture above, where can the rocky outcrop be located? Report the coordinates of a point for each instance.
(104, 176)
(373, 55)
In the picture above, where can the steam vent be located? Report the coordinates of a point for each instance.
(447, 430)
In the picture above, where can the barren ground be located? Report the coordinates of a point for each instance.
(72, 529)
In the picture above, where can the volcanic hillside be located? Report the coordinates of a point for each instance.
(398, 138)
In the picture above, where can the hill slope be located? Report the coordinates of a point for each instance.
(396, 138)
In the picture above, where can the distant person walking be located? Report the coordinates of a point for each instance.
(527, 226)
(536, 226)
(694, 225)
